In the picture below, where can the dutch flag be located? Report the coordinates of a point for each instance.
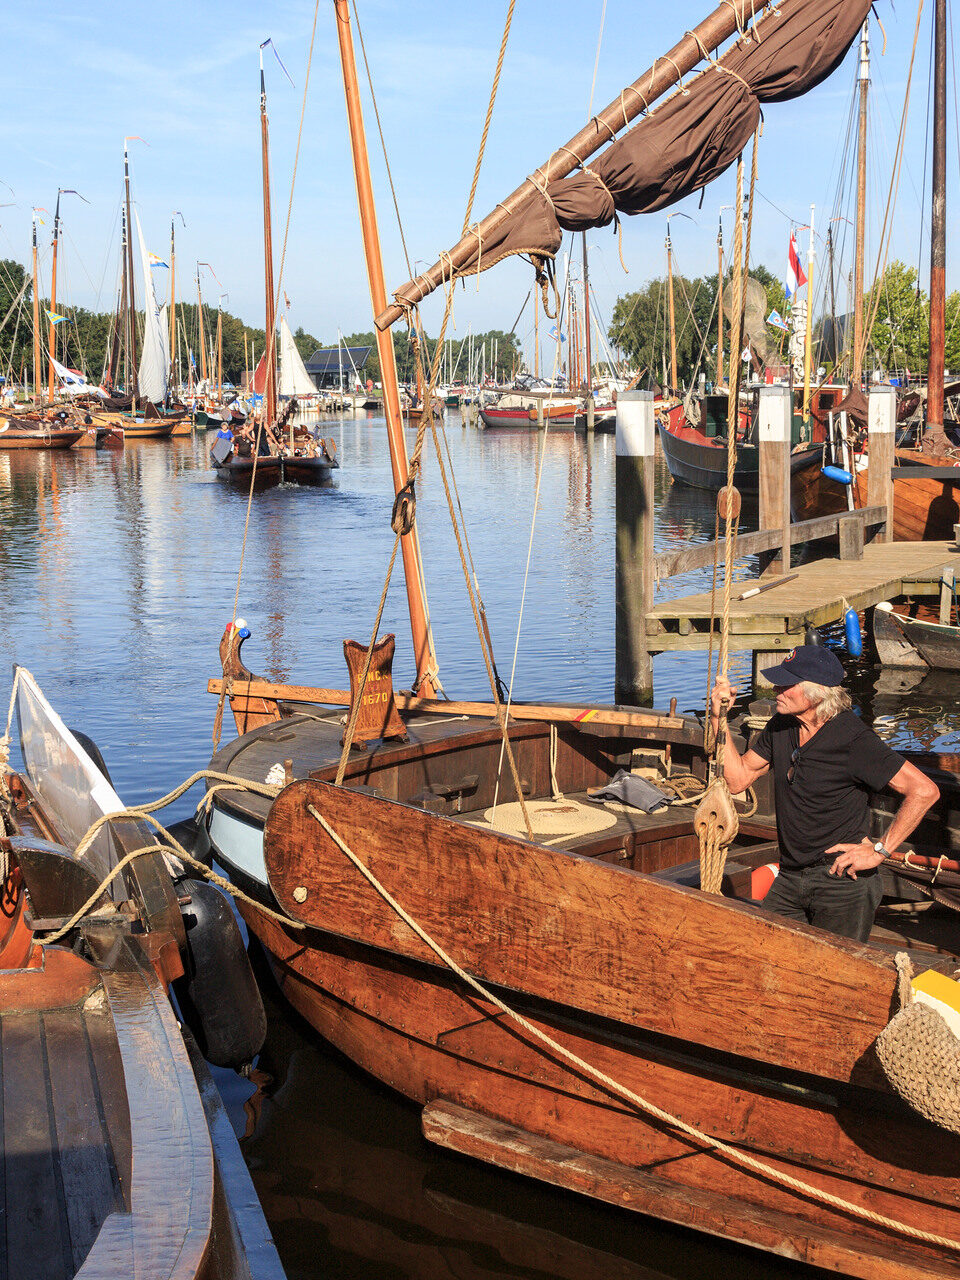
(795, 277)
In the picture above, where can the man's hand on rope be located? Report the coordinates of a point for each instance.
(723, 693)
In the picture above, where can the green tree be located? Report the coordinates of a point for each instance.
(16, 336)
(951, 353)
(901, 331)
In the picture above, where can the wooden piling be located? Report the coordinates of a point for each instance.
(881, 428)
(634, 545)
(775, 420)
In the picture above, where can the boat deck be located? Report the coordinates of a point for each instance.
(820, 594)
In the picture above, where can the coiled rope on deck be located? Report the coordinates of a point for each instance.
(731, 1153)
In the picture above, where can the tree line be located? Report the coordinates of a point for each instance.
(84, 336)
(899, 331)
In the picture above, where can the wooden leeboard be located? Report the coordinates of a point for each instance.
(588, 935)
(777, 618)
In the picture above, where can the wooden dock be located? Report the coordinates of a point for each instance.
(777, 618)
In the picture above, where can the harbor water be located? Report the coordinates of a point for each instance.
(118, 573)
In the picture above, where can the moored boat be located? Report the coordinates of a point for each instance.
(24, 433)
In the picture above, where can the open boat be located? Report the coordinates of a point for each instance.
(23, 433)
(118, 1159)
(545, 978)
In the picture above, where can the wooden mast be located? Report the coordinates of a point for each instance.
(673, 326)
(587, 349)
(856, 364)
(133, 388)
(416, 594)
(37, 393)
(202, 336)
(938, 225)
(220, 350)
(808, 341)
(720, 300)
(270, 388)
(52, 340)
(173, 300)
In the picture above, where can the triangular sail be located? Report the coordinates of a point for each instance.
(294, 379)
(260, 376)
(152, 374)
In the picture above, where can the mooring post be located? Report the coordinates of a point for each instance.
(881, 426)
(636, 436)
(773, 433)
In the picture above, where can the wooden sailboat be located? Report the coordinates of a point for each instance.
(119, 1160)
(268, 457)
(548, 981)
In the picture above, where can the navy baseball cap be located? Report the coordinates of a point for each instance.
(807, 662)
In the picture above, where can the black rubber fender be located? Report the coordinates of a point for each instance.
(218, 995)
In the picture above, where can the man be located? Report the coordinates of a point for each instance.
(826, 763)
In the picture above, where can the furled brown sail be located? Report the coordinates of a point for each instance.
(679, 147)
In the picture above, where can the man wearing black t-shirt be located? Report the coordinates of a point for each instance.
(826, 764)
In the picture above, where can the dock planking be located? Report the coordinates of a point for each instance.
(818, 595)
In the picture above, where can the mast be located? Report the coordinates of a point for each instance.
(270, 389)
(131, 294)
(808, 341)
(856, 367)
(37, 394)
(938, 225)
(833, 300)
(220, 349)
(52, 340)
(673, 327)
(202, 340)
(416, 594)
(173, 298)
(720, 299)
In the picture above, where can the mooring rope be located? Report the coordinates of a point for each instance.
(144, 813)
(717, 1145)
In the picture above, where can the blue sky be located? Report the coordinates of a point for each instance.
(185, 78)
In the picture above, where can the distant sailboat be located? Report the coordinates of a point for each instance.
(294, 379)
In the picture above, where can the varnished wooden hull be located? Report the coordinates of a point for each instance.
(701, 1005)
(57, 438)
(902, 641)
(924, 509)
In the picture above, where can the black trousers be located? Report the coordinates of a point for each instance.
(838, 903)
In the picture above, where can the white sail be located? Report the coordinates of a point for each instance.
(294, 379)
(152, 374)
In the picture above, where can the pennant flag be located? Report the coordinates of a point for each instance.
(286, 299)
(777, 320)
(554, 334)
(745, 355)
(795, 277)
(157, 262)
(193, 363)
(54, 318)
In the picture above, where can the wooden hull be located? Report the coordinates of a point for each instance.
(702, 464)
(924, 509)
(274, 470)
(599, 946)
(24, 438)
(756, 1055)
(915, 642)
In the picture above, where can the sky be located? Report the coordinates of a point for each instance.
(184, 78)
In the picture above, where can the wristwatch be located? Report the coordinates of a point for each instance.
(880, 847)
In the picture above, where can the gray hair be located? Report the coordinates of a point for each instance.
(829, 700)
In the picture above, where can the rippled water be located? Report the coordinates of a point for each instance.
(118, 572)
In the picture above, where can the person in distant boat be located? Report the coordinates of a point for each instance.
(826, 763)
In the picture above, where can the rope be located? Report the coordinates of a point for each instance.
(144, 813)
(734, 1154)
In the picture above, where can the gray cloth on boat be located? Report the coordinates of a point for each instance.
(627, 788)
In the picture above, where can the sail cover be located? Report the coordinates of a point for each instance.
(679, 147)
(154, 364)
(294, 379)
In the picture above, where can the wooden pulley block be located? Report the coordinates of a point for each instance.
(716, 813)
(728, 503)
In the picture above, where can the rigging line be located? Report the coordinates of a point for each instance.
(596, 61)
(874, 300)
(383, 142)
